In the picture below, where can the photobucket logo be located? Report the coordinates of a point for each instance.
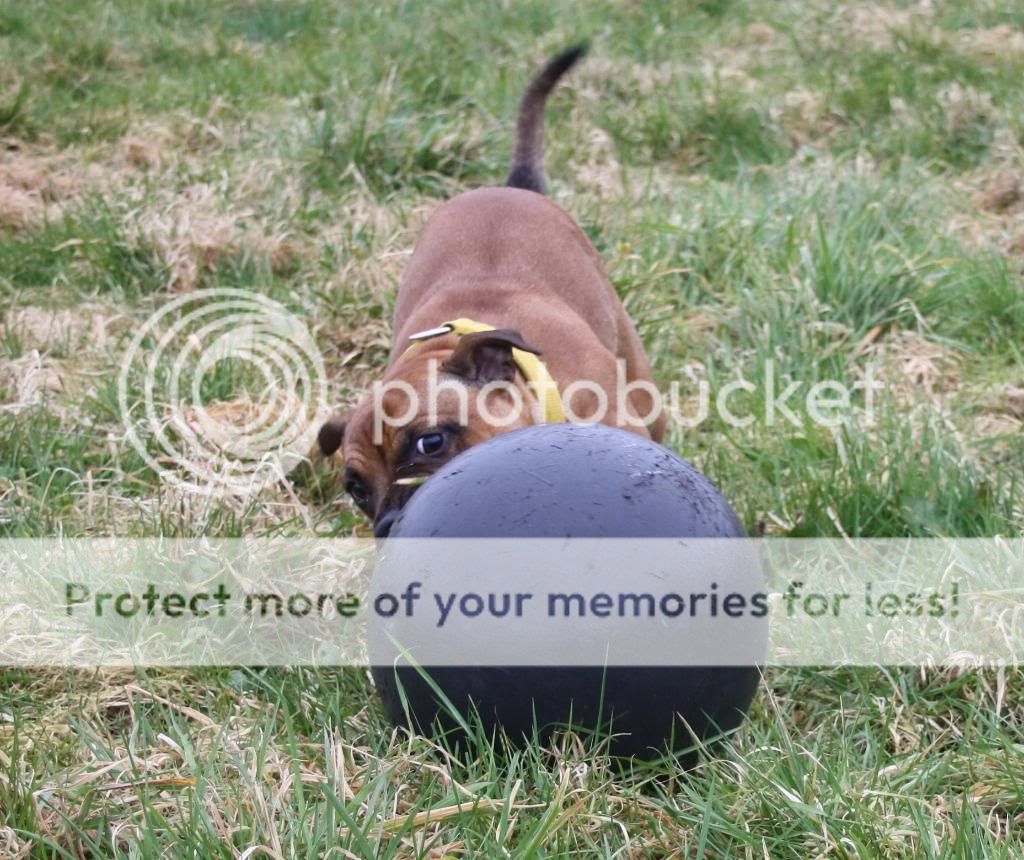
(628, 403)
(231, 388)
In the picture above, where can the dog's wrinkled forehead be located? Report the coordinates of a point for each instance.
(360, 454)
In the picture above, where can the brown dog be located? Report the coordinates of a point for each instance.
(521, 280)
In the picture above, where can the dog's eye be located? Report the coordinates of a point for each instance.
(430, 444)
(356, 488)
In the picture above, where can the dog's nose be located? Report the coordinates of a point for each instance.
(382, 525)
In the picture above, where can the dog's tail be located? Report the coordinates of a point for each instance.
(527, 170)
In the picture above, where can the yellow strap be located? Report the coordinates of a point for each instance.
(540, 381)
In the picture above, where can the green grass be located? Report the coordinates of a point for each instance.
(797, 183)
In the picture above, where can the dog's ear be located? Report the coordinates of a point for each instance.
(331, 433)
(486, 356)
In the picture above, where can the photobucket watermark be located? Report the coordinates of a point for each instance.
(773, 399)
(223, 391)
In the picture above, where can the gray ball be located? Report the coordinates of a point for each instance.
(570, 481)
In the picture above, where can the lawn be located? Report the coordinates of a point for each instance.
(835, 189)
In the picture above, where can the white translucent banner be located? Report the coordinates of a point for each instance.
(575, 602)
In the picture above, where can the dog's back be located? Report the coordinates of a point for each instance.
(491, 241)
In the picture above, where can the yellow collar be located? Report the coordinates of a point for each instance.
(537, 377)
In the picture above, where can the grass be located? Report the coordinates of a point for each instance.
(831, 187)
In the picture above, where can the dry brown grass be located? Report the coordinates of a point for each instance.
(989, 425)
(150, 147)
(598, 74)
(805, 119)
(992, 44)
(33, 184)
(88, 326)
(595, 169)
(1001, 411)
(60, 352)
(912, 366)
(877, 27)
(966, 106)
(29, 380)
(39, 180)
(194, 231)
(990, 204)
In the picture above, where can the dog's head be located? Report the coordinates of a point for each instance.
(437, 399)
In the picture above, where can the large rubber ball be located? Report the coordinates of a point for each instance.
(583, 482)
